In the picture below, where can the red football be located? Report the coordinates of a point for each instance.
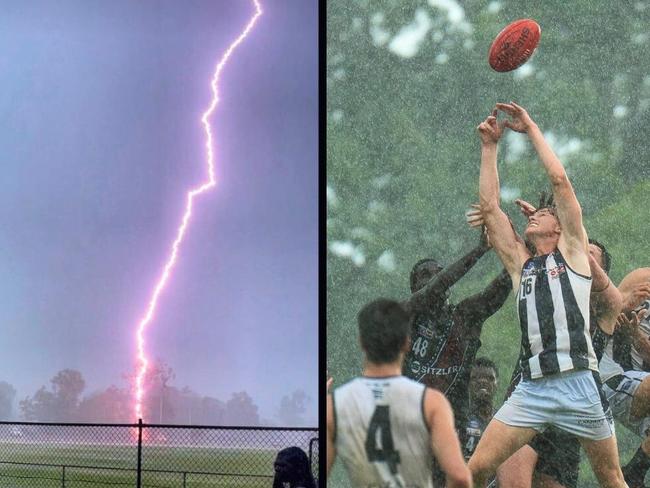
(514, 45)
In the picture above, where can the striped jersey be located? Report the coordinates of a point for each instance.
(553, 309)
(644, 326)
(599, 340)
(381, 434)
(608, 366)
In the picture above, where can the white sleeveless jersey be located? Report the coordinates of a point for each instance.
(381, 434)
(607, 367)
(553, 307)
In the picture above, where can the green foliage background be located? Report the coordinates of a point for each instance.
(403, 154)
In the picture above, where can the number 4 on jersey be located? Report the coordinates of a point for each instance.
(379, 441)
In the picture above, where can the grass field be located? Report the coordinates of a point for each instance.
(39, 465)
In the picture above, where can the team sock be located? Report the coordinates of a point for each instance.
(635, 471)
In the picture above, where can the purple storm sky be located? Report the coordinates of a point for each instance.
(101, 139)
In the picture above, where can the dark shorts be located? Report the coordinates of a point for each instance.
(558, 456)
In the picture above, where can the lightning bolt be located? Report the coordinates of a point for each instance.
(180, 234)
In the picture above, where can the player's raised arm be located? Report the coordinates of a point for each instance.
(331, 450)
(569, 212)
(606, 300)
(482, 305)
(444, 440)
(511, 251)
(436, 288)
(635, 288)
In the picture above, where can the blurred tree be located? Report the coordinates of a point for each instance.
(292, 409)
(211, 412)
(186, 403)
(58, 405)
(7, 396)
(41, 407)
(164, 374)
(402, 151)
(241, 410)
(112, 405)
(155, 383)
(67, 386)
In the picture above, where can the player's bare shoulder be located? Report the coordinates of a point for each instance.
(435, 402)
(576, 253)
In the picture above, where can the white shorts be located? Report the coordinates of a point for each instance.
(620, 391)
(571, 401)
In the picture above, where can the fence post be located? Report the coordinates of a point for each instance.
(184, 479)
(63, 477)
(139, 476)
(311, 457)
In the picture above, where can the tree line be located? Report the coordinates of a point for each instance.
(65, 399)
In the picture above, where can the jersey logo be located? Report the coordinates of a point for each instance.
(555, 273)
(425, 331)
(529, 269)
(417, 367)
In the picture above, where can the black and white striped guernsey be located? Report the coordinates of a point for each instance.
(553, 308)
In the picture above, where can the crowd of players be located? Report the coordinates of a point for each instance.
(422, 413)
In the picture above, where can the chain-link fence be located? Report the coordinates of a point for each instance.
(81, 455)
(313, 456)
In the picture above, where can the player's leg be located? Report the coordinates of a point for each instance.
(525, 414)
(641, 402)
(583, 411)
(542, 480)
(498, 443)
(517, 470)
(603, 457)
(629, 396)
(558, 459)
(636, 469)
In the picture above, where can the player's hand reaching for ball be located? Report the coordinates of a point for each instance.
(489, 130)
(519, 120)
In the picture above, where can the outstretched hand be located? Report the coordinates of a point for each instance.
(475, 216)
(630, 326)
(519, 121)
(490, 130)
(475, 219)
